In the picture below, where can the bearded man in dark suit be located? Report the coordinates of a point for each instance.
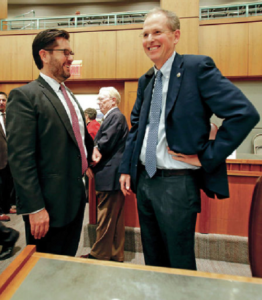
(168, 155)
(48, 147)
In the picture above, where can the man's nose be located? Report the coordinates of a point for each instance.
(150, 37)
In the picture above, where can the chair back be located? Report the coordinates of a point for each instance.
(257, 143)
(255, 231)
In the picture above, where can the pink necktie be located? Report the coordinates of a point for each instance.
(4, 118)
(76, 129)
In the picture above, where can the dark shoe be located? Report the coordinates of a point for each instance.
(12, 211)
(116, 260)
(4, 218)
(7, 250)
(88, 256)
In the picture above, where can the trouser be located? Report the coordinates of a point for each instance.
(8, 236)
(7, 191)
(110, 232)
(167, 208)
(59, 240)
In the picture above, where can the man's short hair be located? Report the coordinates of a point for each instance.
(91, 112)
(3, 93)
(172, 19)
(46, 39)
(112, 93)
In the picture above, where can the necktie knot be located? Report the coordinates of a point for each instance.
(158, 75)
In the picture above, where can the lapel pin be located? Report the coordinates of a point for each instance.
(178, 74)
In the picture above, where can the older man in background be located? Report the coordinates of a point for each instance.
(110, 142)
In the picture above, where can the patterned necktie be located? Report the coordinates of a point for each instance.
(76, 128)
(152, 139)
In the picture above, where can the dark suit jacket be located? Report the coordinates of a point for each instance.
(43, 153)
(110, 139)
(196, 91)
(3, 149)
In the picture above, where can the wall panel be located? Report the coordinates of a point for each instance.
(16, 57)
(131, 62)
(255, 49)
(185, 8)
(227, 44)
(97, 50)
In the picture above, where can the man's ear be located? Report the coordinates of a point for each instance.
(44, 55)
(177, 36)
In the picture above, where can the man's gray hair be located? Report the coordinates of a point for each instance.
(172, 19)
(112, 93)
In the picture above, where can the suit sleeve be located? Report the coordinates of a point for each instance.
(21, 140)
(111, 132)
(227, 102)
(130, 143)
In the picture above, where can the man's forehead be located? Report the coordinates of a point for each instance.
(62, 41)
(103, 95)
(155, 21)
(2, 97)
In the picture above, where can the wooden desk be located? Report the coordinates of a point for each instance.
(41, 276)
(228, 216)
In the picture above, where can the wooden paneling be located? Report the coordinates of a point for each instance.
(130, 98)
(97, 50)
(132, 62)
(16, 58)
(7, 87)
(227, 44)
(255, 49)
(188, 43)
(3, 9)
(231, 216)
(185, 8)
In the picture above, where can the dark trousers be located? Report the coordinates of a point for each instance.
(58, 240)
(7, 191)
(167, 208)
(8, 236)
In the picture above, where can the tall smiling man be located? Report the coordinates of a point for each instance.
(168, 147)
(48, 146)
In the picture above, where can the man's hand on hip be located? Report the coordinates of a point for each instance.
(39, 223)
(125, 180)
(189, 159)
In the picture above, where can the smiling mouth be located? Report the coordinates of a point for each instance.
(153, 48)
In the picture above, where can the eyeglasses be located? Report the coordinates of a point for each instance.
(66, 51)
(154, 34)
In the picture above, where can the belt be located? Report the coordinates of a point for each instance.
(171, 172)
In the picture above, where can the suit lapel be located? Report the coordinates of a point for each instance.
(175, 80)
(52, 97)
(147, 102)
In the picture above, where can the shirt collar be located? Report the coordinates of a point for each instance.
(109, 111)
(166, 68)
(52, 82)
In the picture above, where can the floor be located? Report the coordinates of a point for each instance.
(130, 257)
